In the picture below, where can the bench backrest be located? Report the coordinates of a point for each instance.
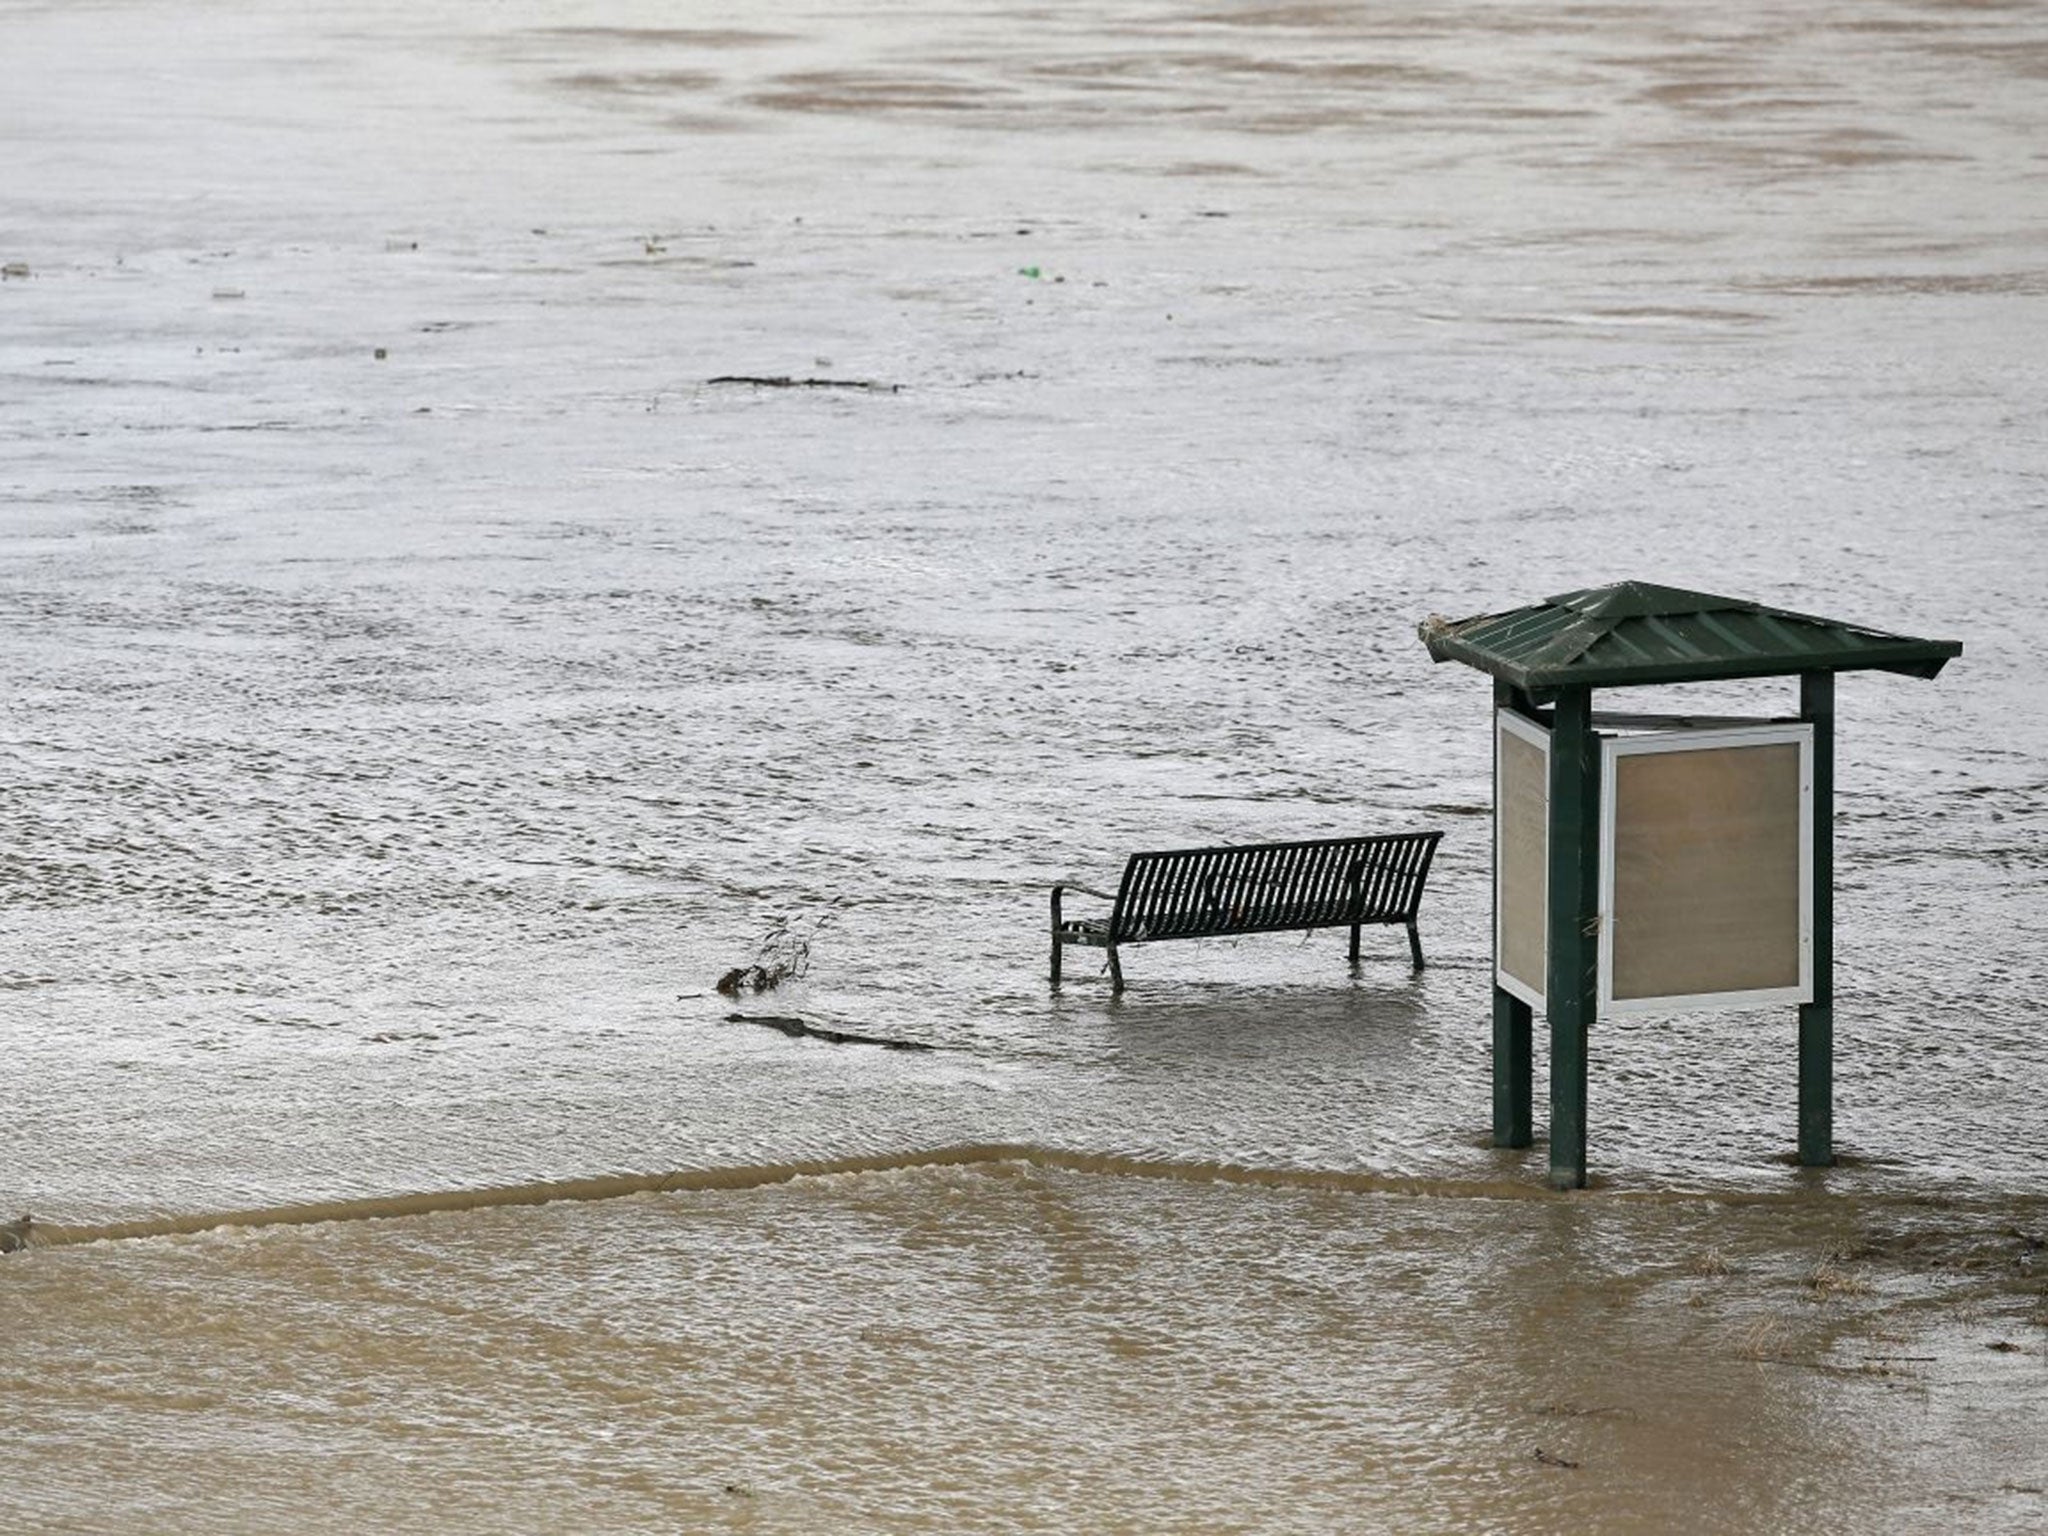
(1330, 882)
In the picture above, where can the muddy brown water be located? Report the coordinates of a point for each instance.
(425, 684)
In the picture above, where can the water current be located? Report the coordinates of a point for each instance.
(430, 670)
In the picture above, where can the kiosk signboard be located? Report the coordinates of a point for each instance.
(1706, 869)
(1521, 855)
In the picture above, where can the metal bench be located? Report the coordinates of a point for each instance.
(1197, 893)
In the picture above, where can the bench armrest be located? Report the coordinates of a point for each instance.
(1085, 890)
(1060, 890)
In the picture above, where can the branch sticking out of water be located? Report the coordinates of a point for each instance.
(783, 954)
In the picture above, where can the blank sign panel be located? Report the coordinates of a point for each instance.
(1521, 854)
(1706, 869)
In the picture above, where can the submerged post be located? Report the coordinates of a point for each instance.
(1514, 1051)
(1571, 979)
(1817, 1018)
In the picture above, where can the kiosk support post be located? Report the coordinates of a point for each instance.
(1513, 1069)
(1817, 1018)
(1571, 980)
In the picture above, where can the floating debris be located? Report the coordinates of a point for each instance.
(785, 381)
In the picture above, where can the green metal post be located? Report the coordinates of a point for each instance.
(1570, 980)
(1817, 1018)
(1513, 1020)
(1513, 1069)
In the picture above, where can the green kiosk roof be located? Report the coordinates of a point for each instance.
(1632, 632)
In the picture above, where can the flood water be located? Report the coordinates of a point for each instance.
(428, 674)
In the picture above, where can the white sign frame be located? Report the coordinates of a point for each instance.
(1526, 730)
(1612, 749)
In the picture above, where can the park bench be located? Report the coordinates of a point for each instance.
(1199, 893)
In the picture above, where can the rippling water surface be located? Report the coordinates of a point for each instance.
(426, 680)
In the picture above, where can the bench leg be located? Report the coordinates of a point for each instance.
(1116, 971)
(1354, 943)
(1415, 946)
